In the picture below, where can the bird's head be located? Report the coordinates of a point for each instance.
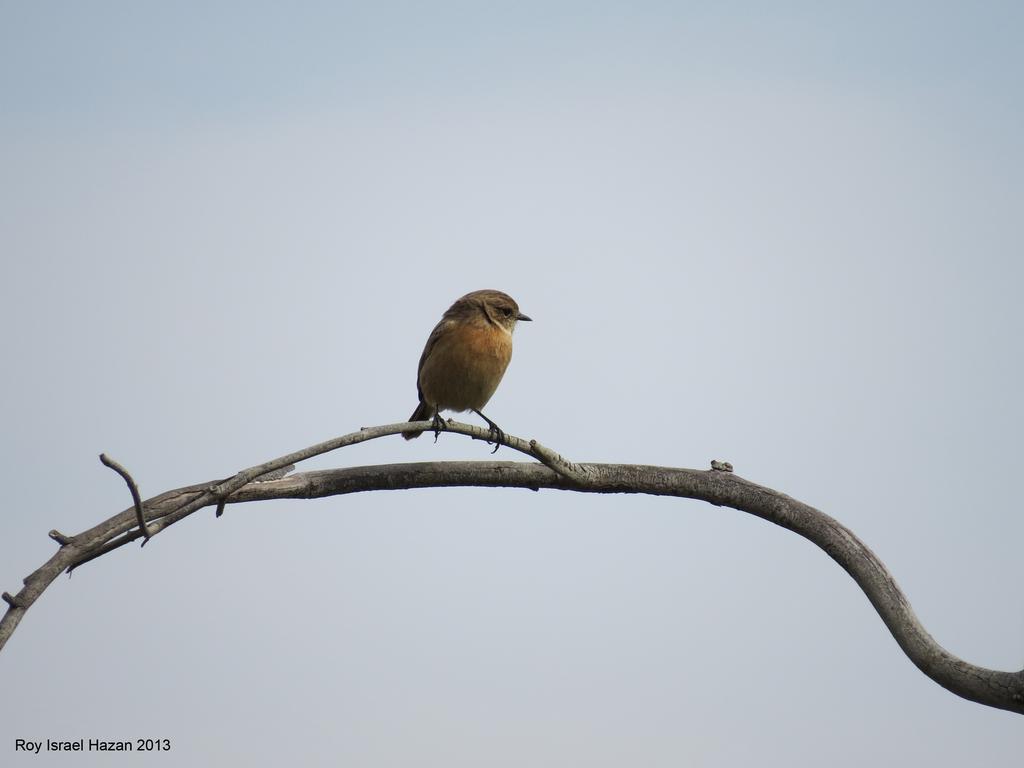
(496, 307)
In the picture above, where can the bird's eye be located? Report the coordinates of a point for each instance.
(507, 312)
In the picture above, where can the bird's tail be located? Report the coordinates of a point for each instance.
(422, 412)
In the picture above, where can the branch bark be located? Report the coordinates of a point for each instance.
(718, 486)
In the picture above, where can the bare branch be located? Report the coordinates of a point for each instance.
(132, 488)
(719, 486)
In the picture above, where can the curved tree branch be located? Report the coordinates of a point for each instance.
(719, 486)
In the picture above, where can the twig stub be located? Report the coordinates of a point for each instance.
(60, 538)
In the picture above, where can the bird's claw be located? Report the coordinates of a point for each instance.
(499, 437)
(493, 430)
(439, 426)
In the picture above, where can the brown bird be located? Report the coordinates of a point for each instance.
(465, 357)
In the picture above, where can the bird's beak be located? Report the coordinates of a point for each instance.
(524, 317)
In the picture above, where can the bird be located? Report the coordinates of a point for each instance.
(464, 359)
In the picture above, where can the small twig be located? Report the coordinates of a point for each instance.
(136, 498)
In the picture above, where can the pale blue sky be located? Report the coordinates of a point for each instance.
(787, 236)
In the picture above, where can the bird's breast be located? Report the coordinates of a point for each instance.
(465, 366)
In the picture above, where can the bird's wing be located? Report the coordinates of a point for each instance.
(435, 334)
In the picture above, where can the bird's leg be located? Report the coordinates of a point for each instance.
(439, 424)
(494, 429)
